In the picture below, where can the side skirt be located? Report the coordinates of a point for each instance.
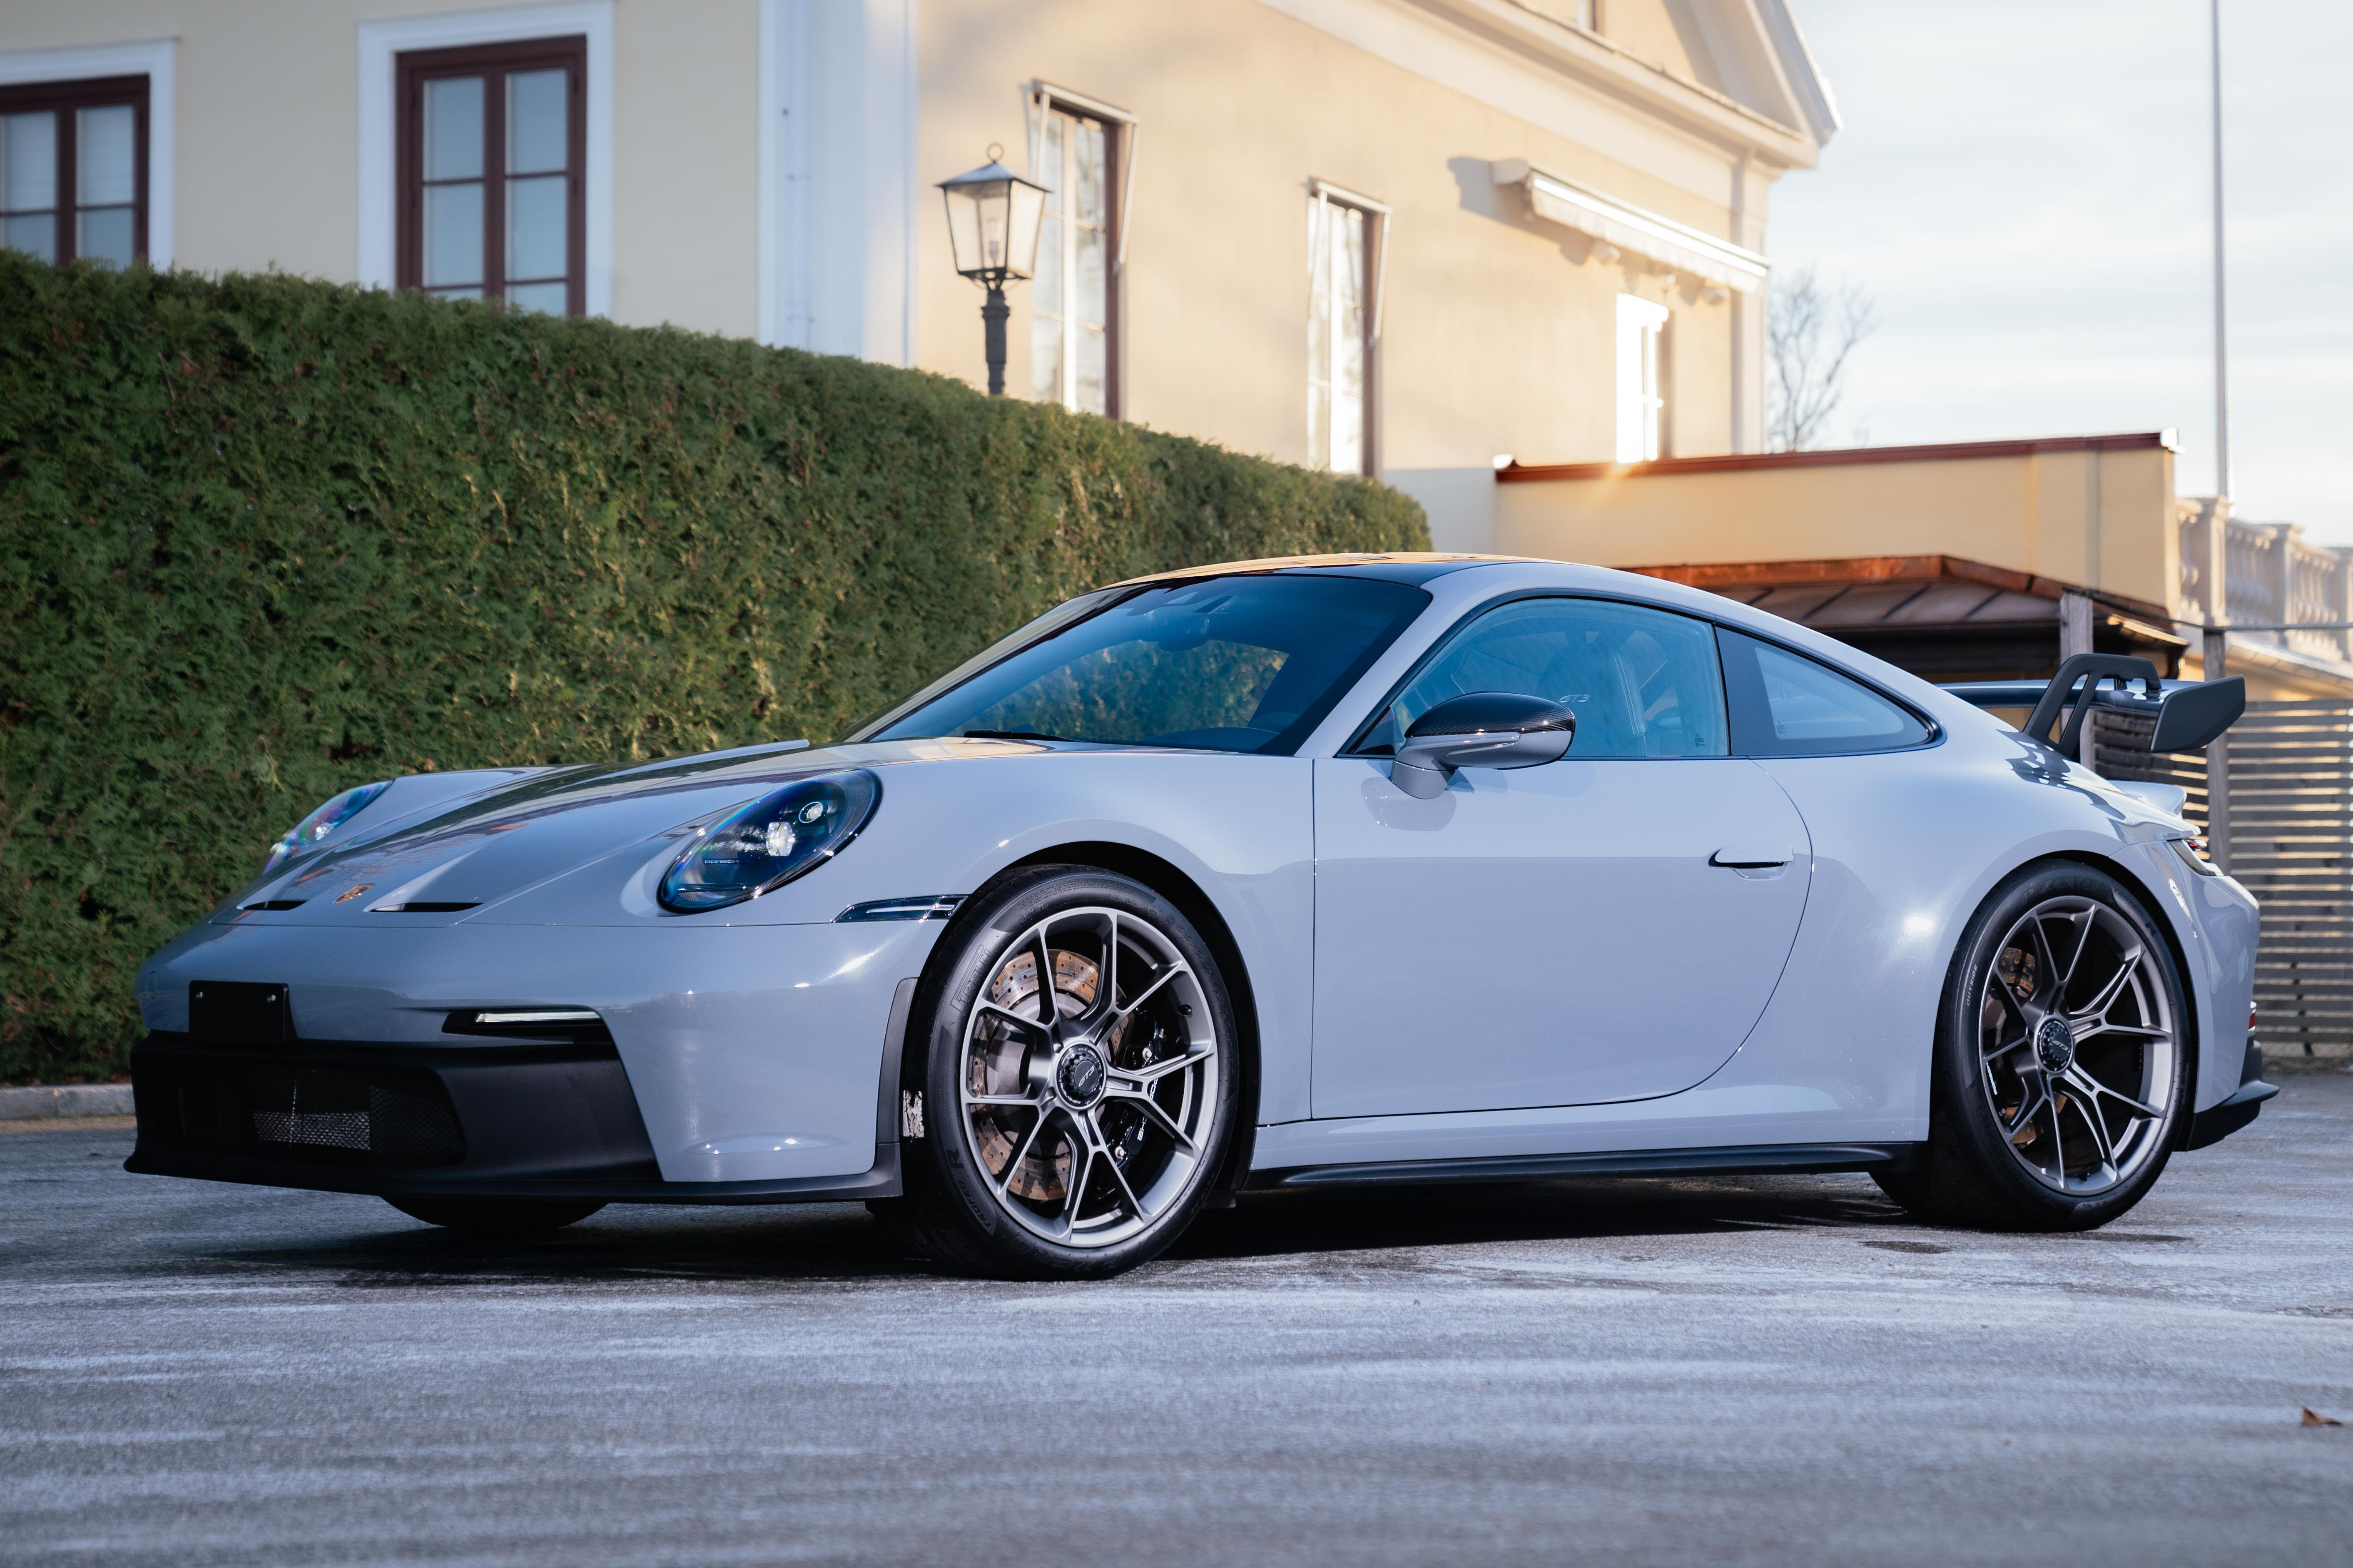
(1785, 1159)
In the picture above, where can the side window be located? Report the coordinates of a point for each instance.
(1642, 682)
(1787, 705)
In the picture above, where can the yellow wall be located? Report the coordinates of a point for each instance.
(2271, 678)
(268, 144)
(2105, 520)
(1654, 30)
(1498, 331)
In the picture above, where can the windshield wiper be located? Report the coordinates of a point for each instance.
(1014, 735)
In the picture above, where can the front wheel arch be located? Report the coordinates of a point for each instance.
(951, 1215)
(1165, 878)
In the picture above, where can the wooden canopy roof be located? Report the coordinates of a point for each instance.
(1937, 615)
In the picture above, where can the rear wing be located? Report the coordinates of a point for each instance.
(2189, 714)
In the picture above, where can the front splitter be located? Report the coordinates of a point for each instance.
(880, 1182)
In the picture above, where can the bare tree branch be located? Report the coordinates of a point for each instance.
(1811, 335)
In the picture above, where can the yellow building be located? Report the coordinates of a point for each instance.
(1397, 237)
(1967, 560)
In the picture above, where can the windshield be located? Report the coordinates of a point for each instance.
(1223, 664)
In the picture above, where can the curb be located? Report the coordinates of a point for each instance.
(42, 1101)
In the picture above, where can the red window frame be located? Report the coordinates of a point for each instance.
(494, 63)
(64, 97)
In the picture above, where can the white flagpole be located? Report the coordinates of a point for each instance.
(2222, 338)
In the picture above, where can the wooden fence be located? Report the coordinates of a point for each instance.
(2285, 830)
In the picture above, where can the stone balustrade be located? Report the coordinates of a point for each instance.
(2268, 575)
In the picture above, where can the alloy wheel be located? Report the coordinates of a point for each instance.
(2077, 1048)
(1090, 1078)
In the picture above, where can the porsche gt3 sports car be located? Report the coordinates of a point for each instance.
(1380, 868)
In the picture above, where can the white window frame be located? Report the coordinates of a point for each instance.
(1325, 194)
(1044, 99)
(380, 45)
(1641, 399)
(158, 62)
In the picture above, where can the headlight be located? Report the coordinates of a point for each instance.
(771, 841)
(316, 826)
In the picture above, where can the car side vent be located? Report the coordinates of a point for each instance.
(924, 907)
(277, 904)
(423, 907)
(580, 1025)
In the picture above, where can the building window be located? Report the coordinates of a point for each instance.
(493, 152)
(73, 169)
(1344, 240)
(1074, 299)
(1642, 396)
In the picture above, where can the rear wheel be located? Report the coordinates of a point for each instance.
(497, 1216)
(1079, 1082)
(2060, 1073)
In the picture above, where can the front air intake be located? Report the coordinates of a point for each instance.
(355, 1114)
(366, 1111)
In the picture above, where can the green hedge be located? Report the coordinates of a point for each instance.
(261, 538)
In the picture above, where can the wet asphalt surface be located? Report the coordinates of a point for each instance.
(1768, 1371)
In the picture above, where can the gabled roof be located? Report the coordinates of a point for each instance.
(1744, 76)
(1807, 85)
(1746, 55)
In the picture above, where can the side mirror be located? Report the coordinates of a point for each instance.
(1479, 730)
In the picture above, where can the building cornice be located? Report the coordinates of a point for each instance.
(1558, 199)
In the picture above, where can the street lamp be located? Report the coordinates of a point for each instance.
(993, 217)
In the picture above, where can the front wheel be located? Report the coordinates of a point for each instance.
(1079, 1081)
(2061, 1074)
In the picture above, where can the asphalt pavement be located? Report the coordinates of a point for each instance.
(1729, 1370)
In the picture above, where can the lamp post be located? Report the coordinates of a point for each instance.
(993, 218)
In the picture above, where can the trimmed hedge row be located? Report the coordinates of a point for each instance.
(262, 538)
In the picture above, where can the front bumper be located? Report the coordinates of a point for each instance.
(512, 1120)
(754, 1053)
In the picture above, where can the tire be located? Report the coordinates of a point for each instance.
(2060, 1077)
(1079, 1147)
(497, 1216)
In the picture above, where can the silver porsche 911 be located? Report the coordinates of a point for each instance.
(1295, 873)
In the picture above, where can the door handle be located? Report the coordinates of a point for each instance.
(1748, 856)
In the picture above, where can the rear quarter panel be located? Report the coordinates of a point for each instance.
(1907, 846)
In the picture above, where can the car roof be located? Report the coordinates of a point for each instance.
(1391, 566)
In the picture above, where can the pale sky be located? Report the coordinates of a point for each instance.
(2023, 189)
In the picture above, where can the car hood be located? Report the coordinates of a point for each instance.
(403, 864)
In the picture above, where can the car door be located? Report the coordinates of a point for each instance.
(1607, 927)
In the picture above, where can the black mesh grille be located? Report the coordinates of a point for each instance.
(400, 1122)
(373, 1115)
(351, 1108)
